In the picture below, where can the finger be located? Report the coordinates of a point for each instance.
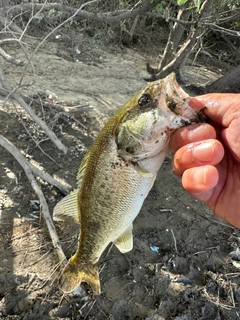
(192, 133)
(207, 152)
(200, 181)
(224, 111)
(219, 107)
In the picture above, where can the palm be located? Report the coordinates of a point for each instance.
(225, 200)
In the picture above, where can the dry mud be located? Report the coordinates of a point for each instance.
(180, 266)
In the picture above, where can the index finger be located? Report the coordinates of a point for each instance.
(191, 133)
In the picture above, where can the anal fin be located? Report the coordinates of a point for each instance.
(125, 242)
(67, 208)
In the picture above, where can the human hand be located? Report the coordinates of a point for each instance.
(207, 156)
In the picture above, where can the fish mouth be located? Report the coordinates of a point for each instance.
(179, 107)
(172, 105)
(173, 99)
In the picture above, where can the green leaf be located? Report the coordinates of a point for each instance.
(181, 2)
(198, 5)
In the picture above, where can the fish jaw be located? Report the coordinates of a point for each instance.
(148, 133)
(174, 99)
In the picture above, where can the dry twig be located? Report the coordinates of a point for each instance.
(20, 100)
(65, 189)
(9, 58)
(25, 106)
(8, 24)
(45, 211)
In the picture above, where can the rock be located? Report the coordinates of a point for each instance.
(118, 265)
(215, 262)
(209, 311)
(180, 265)
(120, 310)
(63, 311)
(167, 308)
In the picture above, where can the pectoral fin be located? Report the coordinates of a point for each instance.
(142, 172)
(125, 242)
(146, 174)
(67, 208)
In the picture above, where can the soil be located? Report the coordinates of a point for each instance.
(180, 267)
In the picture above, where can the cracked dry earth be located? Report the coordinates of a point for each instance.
(180, 266)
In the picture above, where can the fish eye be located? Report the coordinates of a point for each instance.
(144, 99)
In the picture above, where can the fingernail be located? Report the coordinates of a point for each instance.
(196, 104)
(204, 152)
(202, 130)
(199, 176)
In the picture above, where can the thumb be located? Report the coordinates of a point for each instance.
(217, 106)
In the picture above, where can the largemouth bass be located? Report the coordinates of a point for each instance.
(117, 173)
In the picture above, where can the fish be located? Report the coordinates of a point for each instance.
(117, 173)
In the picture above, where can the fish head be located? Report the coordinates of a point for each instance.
(153, 115)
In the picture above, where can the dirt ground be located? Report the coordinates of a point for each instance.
(179, 268)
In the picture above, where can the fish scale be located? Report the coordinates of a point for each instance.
(117, 173)
(122, 198)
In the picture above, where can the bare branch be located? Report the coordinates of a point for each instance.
(29, 21)
(64, 188)
(45, 211)
(186, 48)
(25, 106)
(9, 24)
(12, 92)
(60, 25)
(19, 99)
(3, 41)
(226, 31)
(9, 58)
(158, 15)
(104, 17)
(232, 17)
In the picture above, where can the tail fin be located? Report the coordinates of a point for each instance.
(73, 274)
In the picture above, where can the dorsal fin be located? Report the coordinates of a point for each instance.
(67, 208)
(82, 168)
